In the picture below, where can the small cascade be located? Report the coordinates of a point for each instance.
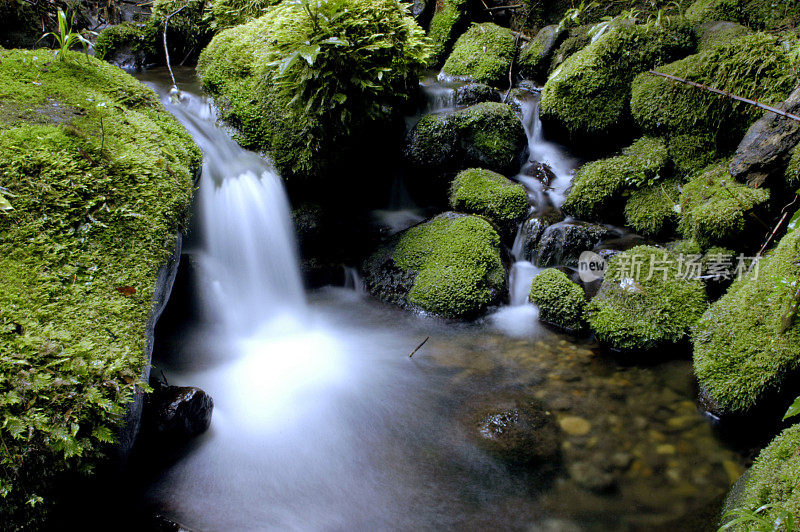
(249, 252)
(353, 281)
(438, 97)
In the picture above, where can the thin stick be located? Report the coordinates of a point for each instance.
(774, 231)
(727, 94)
(419, 346)
(166, 51)
(500, 8)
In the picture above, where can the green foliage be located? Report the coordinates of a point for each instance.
(66, 39)
(561, 302)
(138, 38)
(598, 188)
(588, 94)
(653, 210)
(712, 34)
(754, 66)
(299, 80)
(224, 14)
(489, 194)
(743, 350)
(445, 26)
(692, 153)
(102, 180)
(639, 308)
(572, 17)
(770, 499)
(760, 14)
(458, 265)
(484, 54)
(717, 210)
(793, 170)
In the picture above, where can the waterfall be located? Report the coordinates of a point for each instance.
(249, 254)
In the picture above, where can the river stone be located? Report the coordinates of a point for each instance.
(542, 172)
(515, 428)
(575, 426)
(591, 476)
(562, 243)
(475, 93)
(766, 148)
(532, 230)
(178, 413)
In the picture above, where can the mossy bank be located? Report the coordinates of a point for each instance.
(100, 179)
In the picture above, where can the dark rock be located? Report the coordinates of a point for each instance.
(174, 414)
(540, 171)
(474, 93)
(384, 279)
(534, 58)
(766, 148)
(562, 243)
(515, 428)
(532, 230)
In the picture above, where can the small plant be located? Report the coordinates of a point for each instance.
(66, 38)
(602, 27)
(573, 15)
(779, 520)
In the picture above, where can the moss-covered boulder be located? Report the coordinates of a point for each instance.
(483, 54)
(692, 153)
(587, 96)
(224, 14)
(128, 45)
(715, 210)
(475, 93)
(311, 105)
(534, 57)
(561, 302)
(598, 187)
(761, 14)
(487, 135)
(754, 66)
(771, 483)
(99, 178)
(712, 10)
(748, 342)
(644, 302)
(489, 194)
(714, 33)
(653, 210)
(577, 39)
(449, 266)
(450, 19)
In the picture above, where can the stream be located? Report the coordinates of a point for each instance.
(322, 421)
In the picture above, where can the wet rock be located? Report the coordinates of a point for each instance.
(575, 426)
(562, 243)
(532, 230)
(475, 93)
(540, 171)
(591, 476)
(174, 414)
(767, 147)
(534, 58)
(515, 428)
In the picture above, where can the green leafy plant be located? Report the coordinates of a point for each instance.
(66, 38)
(778, 520)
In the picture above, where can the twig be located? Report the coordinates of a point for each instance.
(163, 376)
(501, 8)
(727, 94)
(774, 231)
(166, 50)
(419, 346)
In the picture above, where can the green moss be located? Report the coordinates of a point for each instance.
(774, 478)
(711, 34)
(634, 313)
(598, 187)
(706, 10)
(224, 14)
(446, 25)
(561, 302)
(488, 135)
(653, 210)
(692, 153)
(489, 194)
(684, 247)
(349, 89)
(793, 170)
(761, 14)
(483, 54)
(588, 94)
(188, 29)
(755, 66)
(458, 265)
(716, 210)
(140, 39)
(577, 39)
(743, 350)
(100, 177)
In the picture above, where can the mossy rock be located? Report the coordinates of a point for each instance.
(692, 153)
(449, 266)
(561, 302)
(685, 247)
(598, 188)
(100, 179)
(634, 313)
(446, 25)
(577, 39)
(534, 57)
(224, 14)
(713, 10)
(772, 481)
(653, 210)
(718, 211)
(744, 347)
(588, 95)
(483, 54)
(487, 135)
(760, 14)
(714, 33)
(475, 93)
(489, 194)
(128, 44)
(754, 66)
(240, 69)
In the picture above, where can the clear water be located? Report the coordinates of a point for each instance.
(322, 421)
